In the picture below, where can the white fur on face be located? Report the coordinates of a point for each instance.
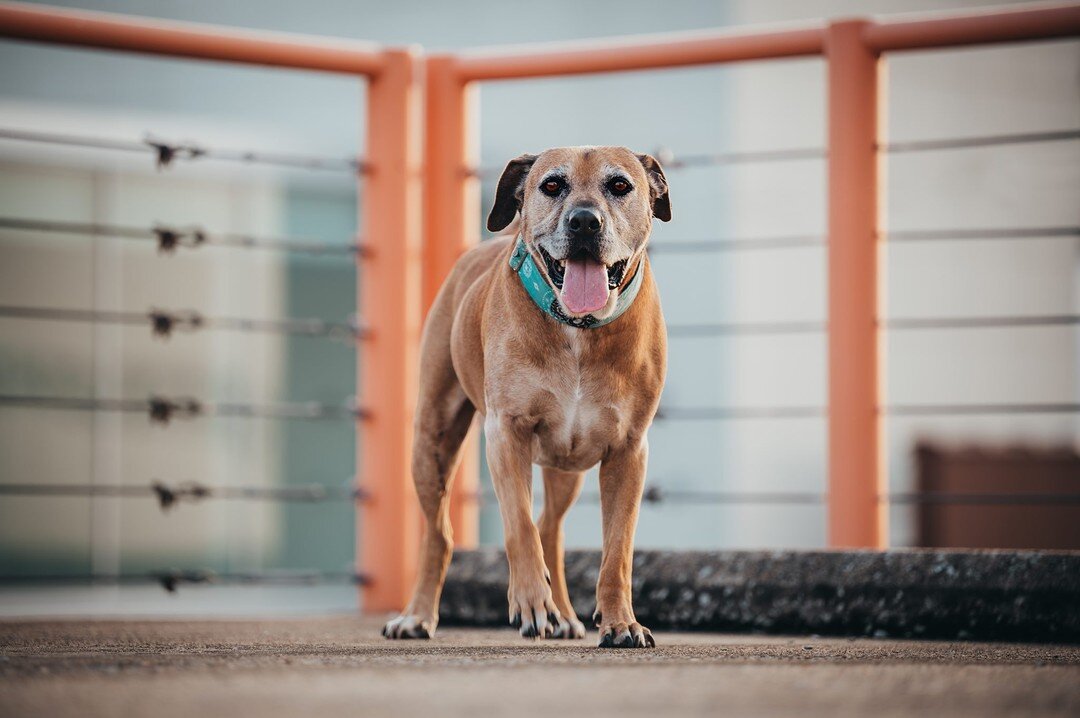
(627, 220)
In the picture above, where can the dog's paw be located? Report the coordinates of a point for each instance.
(409, 626)
(535, 624)
(626, 635)
(569, 628)
(533, 612)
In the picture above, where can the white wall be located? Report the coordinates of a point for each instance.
(108, 361)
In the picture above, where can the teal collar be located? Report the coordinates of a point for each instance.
(543, 295)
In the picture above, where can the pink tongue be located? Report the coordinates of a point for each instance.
(585, 286)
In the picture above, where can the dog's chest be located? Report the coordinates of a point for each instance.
(581, 416)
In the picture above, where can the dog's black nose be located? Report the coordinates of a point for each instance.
(584, 223)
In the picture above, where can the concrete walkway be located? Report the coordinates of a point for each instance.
(332, 667)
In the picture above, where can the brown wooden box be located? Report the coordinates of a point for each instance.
(1007, 497)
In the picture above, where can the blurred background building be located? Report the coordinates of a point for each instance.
(746, 107)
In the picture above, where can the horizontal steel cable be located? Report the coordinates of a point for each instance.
(976, 409)
(801, 412)
(171, 579)
(736, 413)
(893, 324)
(163, 322)
(694, 246)
(658, 495)
(162, 410)
(665, 247)
(169, 495)
(989, 499)
(977, 234)
(672, 161)
(676, 162)
(166, 153)
(954, 143)
(988, 322)
(654, 494)
(743, 328)
(168, 238)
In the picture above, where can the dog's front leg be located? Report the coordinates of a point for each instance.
(622, 478)
(509, 454)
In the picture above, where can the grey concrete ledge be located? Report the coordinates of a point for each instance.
(978, 595)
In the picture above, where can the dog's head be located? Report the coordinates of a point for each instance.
(586, 212)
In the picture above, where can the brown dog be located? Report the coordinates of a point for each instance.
(556, 338)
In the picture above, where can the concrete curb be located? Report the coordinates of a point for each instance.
(978, 595)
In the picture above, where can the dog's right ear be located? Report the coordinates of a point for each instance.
(510, 192)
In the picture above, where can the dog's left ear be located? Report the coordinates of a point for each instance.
(658, 187)
(510, 192)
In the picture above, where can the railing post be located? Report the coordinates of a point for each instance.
(389, 302)
(451, 226)
(856, 462)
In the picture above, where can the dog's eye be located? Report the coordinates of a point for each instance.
(619, 186)
(552, 187)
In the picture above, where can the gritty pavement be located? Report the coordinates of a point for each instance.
(330, 667)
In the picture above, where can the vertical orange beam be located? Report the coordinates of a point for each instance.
(451, 226)
(856, 517)
(389, 299)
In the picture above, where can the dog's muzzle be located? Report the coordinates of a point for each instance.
(583, 279)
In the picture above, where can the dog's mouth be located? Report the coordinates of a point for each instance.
(582, 281)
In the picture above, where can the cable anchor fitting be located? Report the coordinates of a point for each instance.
(162, 410)
(166, 152)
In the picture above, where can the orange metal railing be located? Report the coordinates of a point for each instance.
(402, 288)
(853, 50)
(451, 226)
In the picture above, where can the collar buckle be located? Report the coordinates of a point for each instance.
(519, 256)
